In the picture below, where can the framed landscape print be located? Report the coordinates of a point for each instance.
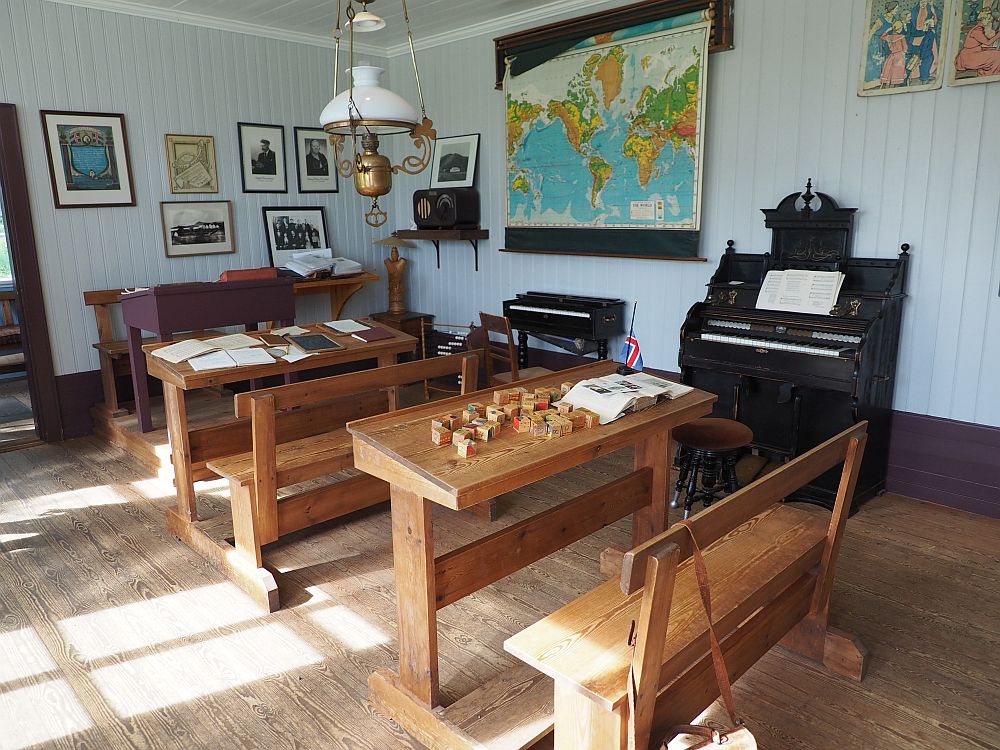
(262, 158)
(293, 230)
(975, 51)
(197, 228)
(315, 161)
(904, 46)
(191, 166)
(88, 159)
(454, 161)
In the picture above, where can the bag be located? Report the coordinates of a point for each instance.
(738, 738)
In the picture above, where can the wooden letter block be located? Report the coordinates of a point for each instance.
(462, 433)
(555, 429)
(511, 410)
(539, 428)
(566, 387)
(522, 424)
(441, 435)
(466, 448)
(483, 432)
(495, 414)
(565, 407)
(592, 420)
(501, 397)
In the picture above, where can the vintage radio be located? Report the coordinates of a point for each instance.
(446, 208)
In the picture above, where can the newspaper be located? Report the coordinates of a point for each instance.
(612, 396)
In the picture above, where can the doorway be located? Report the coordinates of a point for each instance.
(29, 405)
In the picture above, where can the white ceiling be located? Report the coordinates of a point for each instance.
(432, 21)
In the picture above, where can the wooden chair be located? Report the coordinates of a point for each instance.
(771, 570)
(504, 352)
(11, 356)
(298, 435)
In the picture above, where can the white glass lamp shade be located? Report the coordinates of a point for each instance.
(376, 109)
(366, 21)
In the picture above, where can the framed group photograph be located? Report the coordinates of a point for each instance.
(88, 159)
(191, 166)
(262, 158)
(293, 230)
(454, 161)
(197, 228)
(315, 161)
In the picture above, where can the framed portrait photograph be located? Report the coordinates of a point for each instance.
(454, 161)
(197, 228)
(191, 166)
(315, 161)
(262, 158)
(293, 230)
(88, 159)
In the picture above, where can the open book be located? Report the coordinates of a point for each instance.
(800, 291)
(314, 262)
(612, 396)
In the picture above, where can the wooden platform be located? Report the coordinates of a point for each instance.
(140, 643)
(151, 449)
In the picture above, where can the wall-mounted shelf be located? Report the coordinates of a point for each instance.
(436, 235)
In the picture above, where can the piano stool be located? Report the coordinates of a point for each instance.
(711, 447)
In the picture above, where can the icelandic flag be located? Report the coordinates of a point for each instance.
(631, 356)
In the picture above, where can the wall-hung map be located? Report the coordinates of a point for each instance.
(609, 135)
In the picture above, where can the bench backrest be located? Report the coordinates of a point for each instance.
(8, 302)
(653, 565)
(102, 300)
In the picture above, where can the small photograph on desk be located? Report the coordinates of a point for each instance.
(293, 230)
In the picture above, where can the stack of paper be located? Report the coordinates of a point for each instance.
(346, 326)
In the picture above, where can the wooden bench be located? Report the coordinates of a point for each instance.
(11, 356)
(771, 569)
(297, 435)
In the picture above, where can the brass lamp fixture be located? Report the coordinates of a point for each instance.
(366, 110)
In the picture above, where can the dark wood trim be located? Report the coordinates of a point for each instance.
(28, 280)
(629, 15)
(601, 255)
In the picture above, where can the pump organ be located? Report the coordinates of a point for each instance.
(798, 379)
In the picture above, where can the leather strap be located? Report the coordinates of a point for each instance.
(721, 673)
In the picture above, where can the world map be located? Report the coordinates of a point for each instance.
(609, 134)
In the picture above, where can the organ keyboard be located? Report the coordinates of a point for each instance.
(797, 379)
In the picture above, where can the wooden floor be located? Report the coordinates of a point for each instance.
(113, 634)
(17, 425)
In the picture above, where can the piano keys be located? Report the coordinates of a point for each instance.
(574, 323)
(797, 379)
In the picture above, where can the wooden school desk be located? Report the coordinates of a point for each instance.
(397, 447)
(181, 377)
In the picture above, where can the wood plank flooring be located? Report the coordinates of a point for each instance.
(17, 425)
(113, 634)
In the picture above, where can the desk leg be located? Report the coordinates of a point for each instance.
(655, 453)
(139, 385)
(413, 560)
(386, 360)
(180, 450)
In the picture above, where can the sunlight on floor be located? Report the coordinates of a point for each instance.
(40, 713)
(85, 497)
(163, 487)
(22, 655)
(349, 628)
(151, 682)
(165, 618)
(6, 538)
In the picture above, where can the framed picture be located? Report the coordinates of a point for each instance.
(191, 166)
(197, 228)
(293, 230)
(975, 51)
(262, 158)
(315, 161)
(88, 159)
(904, 46)
(454, 161)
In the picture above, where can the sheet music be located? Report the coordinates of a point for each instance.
(215, 361)
(800, 291)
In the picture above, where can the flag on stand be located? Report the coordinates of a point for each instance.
(631, 356)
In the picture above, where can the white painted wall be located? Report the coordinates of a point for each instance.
(922, 168)
(166, 78)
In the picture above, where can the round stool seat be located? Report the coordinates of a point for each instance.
(713, 434)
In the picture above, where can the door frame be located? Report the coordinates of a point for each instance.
(28, 280)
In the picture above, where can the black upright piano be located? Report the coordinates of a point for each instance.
(799, 379)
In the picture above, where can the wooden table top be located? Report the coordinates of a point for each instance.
(397, 447)
(183, 376)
